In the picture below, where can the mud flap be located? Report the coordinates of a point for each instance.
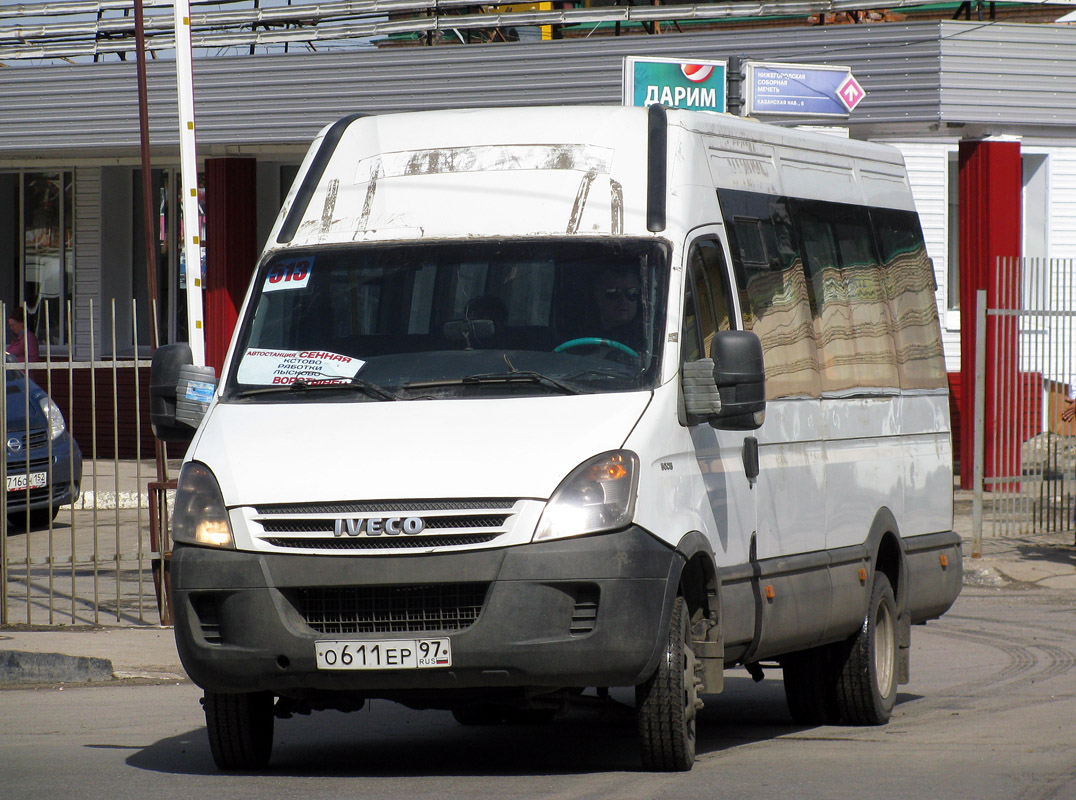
(904, 648)
(711, 656)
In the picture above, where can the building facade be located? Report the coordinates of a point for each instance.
(950, 94)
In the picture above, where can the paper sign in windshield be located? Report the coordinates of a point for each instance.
(289, 273)
(284, 367)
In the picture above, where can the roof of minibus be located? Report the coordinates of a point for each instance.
(533, 171)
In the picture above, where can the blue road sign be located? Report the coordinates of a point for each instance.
(798, 90)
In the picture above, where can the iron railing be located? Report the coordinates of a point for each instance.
(97, 560)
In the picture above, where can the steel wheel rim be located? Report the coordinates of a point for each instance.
(884, 649)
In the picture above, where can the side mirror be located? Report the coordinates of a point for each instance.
(729, 389)
(740, 377)
(179, 393)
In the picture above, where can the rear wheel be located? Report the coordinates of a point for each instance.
(867, 679)
(240, 728)
(810, 689)
(668, 702)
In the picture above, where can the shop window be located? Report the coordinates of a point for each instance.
(168, 234)
(38, 247)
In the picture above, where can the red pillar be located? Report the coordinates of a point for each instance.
(991, 183)
(231, 248)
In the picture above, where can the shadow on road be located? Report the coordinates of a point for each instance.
(386, 740)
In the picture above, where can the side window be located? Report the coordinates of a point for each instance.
(845, 281)
(690, 338)
(773, 291)
(706, 306)
(910, 290)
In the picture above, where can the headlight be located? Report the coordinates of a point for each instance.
(598, 495)
(200, 516)
(52, 413)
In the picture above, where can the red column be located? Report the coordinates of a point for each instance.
(991, 183)
(231, 248)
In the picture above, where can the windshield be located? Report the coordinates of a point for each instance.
(455, 319)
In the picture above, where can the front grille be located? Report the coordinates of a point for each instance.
(444, 523)
(389, 543)
(38, 438)
(424, 609)
(17, 466)
(432, 523)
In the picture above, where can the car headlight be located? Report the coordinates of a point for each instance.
(52, 413)
(200, 516)
(598, 495)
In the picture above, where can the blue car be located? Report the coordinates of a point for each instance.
(44, 463)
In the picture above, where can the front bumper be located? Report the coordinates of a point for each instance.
(576, 612)
(64, 478)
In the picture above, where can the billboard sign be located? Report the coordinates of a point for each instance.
(695, 85)
(801, 90)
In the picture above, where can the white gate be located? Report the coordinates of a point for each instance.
(1025, 463)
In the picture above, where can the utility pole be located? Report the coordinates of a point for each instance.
(192, 243)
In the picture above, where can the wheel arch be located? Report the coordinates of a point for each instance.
(698, 582)
(886, 550)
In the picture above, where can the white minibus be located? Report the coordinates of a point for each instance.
(525, 403)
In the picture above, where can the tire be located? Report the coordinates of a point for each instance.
(240, 728)
(866, 684)
(810, 686)
(26, 521)
(667, 703)
(41, 517)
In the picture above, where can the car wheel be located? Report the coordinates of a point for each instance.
(240, 728)
(667, 703)
(867, 679)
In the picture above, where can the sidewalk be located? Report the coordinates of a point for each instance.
(86, 654)
(1042, 560)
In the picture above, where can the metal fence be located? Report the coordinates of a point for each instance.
(1025, 448)
(95, 559)
(102, 559)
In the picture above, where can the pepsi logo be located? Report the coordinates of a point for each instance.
(696, 73)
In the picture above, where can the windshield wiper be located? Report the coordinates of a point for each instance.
(519, 376)
(334, 382)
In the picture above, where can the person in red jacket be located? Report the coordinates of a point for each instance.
(24, 346)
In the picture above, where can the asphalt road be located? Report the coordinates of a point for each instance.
(990, 713)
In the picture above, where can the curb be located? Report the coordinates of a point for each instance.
(19, 668)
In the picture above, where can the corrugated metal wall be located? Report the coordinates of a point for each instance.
(1009, 75)
(284, 99)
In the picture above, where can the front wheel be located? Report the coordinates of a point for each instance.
(667, 703)
(867, 678)
(240, 728)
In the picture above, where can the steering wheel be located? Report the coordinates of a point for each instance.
(592, 341)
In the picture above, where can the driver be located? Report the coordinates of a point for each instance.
(617, 297)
